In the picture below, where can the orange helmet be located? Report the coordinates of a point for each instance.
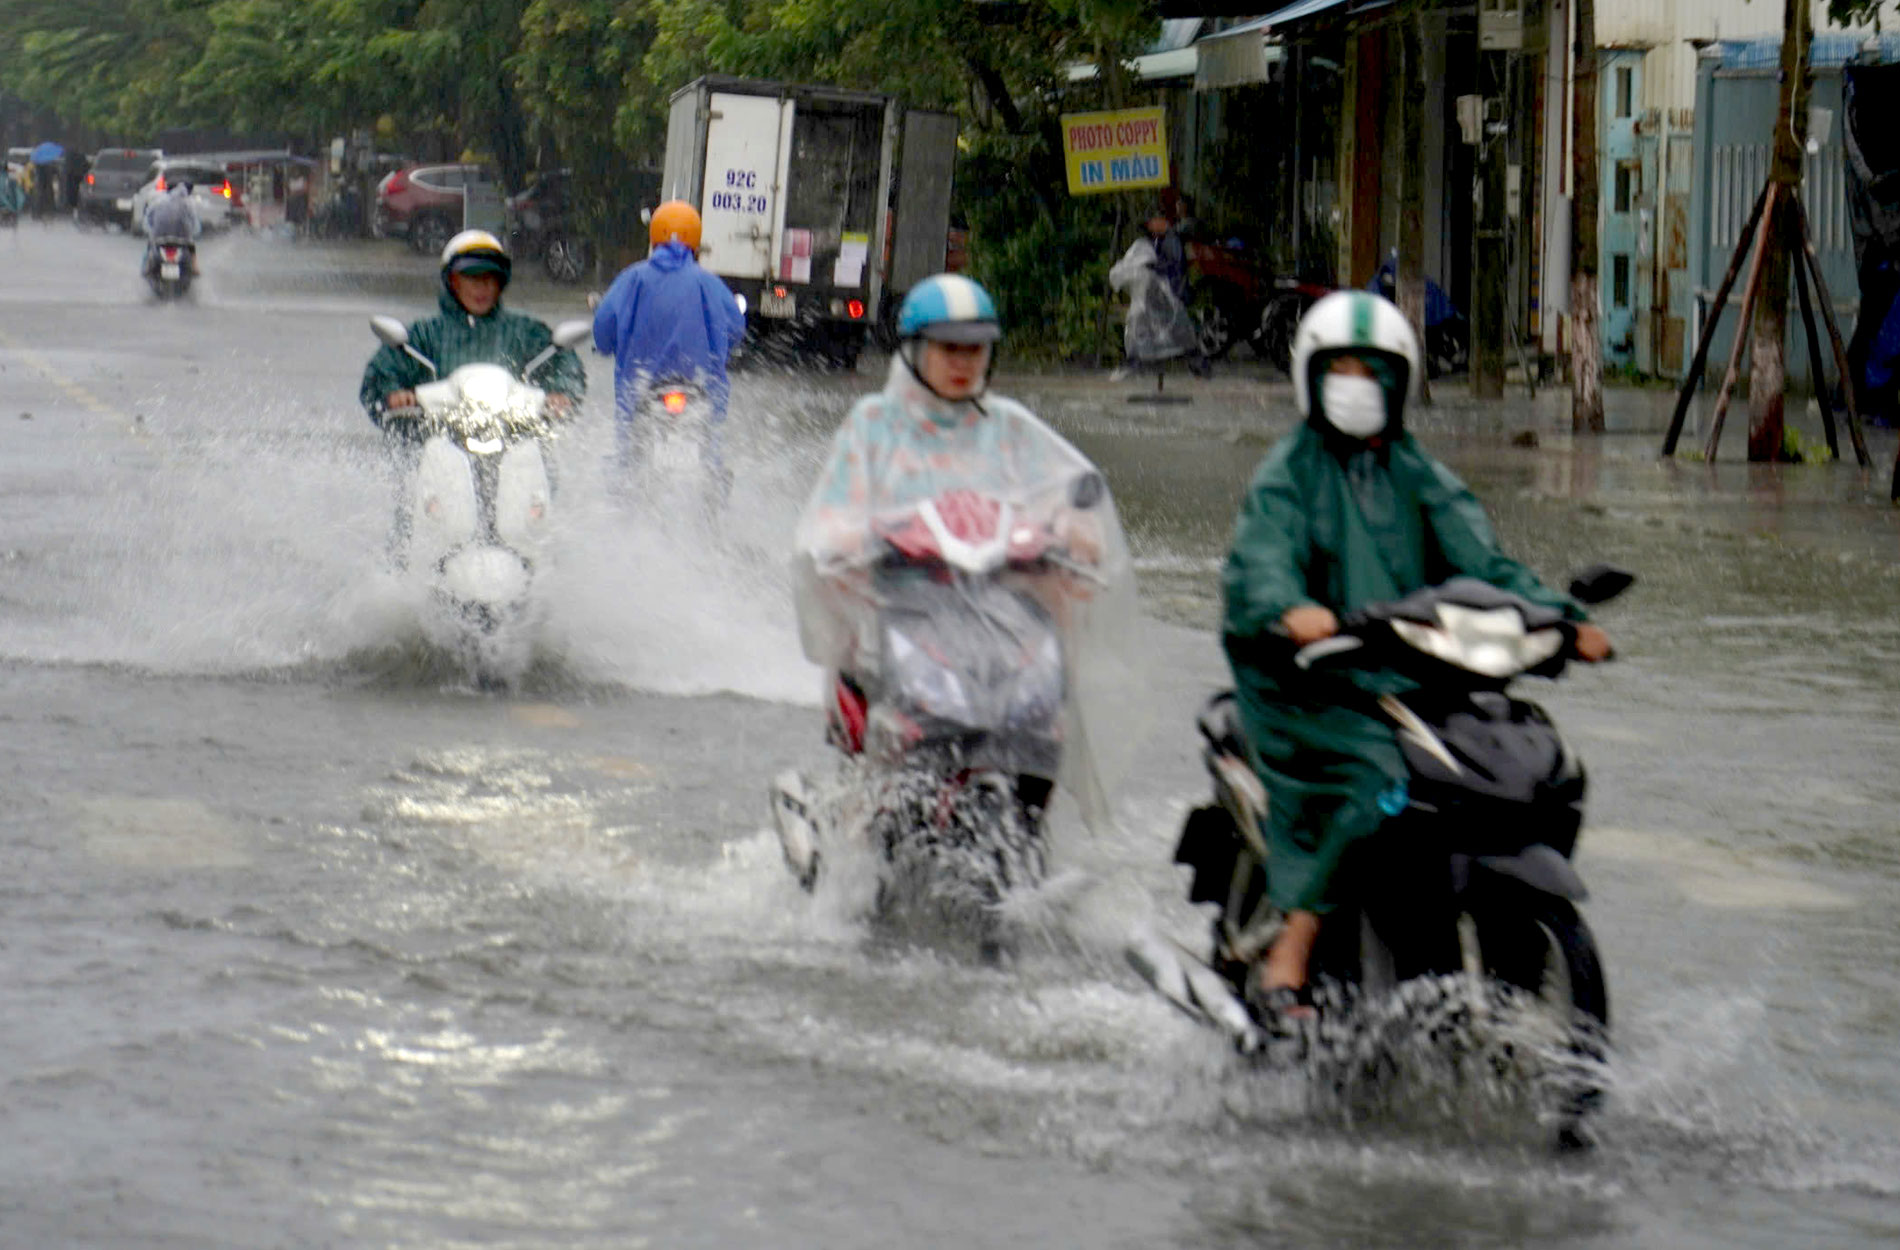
(675, 221)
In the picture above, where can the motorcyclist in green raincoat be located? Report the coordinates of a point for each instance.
(472, 328)
(1346, 511)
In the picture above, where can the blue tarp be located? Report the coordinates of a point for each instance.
(1833, 48)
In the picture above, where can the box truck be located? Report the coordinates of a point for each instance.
(820, 206)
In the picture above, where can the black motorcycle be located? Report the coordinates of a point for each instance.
(1466, 897)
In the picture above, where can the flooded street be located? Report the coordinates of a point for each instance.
(309, 944)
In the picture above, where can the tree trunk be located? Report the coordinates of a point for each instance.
(1768, 366)
(1411, 267)
(1586, 340)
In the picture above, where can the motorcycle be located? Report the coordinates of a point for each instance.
(671, 439)
(960, 726)
(475, 516)
(1447, 332)
(169, 267)
(1466, 896)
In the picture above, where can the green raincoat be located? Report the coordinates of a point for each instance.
(1340, 525)
(454, 338)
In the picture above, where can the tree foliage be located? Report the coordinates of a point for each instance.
(585, 83)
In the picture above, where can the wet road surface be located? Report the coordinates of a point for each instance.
(307, 943)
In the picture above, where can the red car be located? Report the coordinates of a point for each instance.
(423, 203)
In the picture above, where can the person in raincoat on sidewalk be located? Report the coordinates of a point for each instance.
(1346, 511)
(665, 318)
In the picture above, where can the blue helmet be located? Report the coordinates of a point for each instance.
(949, 308)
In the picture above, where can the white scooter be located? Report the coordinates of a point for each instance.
(476, 509)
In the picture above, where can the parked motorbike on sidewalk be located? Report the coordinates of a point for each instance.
(473, 519)
(1460, 915)
(170, 265)
(959, 726)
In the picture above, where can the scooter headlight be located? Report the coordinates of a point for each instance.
(1491, 642)
(927, 684)
(1037, 697)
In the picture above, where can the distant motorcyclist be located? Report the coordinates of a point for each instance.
(934, 431)
(1346, 511)
(665, 318)
(471, 328)
(171, 216)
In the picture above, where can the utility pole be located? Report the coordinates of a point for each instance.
(1488, 261)
(1768, 367)
(1586, 338)
(1411, 267)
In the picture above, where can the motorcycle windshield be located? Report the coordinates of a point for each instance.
(973, 664)
(484, 401)
(1013, 502)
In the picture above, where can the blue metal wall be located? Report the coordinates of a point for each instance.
(1737, 101)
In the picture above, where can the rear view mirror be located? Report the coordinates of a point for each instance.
(1601, 583)
(573, 333)
(390, 331)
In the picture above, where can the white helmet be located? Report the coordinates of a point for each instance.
(1358, 322)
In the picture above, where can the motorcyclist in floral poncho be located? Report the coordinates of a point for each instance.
(1346, 511)
(933, 432)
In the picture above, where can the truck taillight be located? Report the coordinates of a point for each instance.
(856, 309)
(226, 189)
(161, 184)
(88, 179)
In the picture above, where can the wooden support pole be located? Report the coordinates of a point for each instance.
(1701, 358)
(1817, 370)
(1749, 291)
(1834, 335)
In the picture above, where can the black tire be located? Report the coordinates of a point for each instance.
(1217, 316)
(1541, 945)
(430, 233)
(1274, 342)
(566, 258)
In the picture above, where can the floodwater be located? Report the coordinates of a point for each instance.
(309, 944)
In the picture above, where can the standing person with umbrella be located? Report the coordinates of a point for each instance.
(44, 160)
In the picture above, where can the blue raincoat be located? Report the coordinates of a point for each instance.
(665, 317)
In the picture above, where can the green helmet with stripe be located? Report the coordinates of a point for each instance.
(1356, 323)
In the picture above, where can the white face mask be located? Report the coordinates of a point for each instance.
(1353, 406)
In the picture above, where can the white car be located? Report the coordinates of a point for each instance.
(211, 193)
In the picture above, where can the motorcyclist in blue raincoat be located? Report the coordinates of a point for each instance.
(665, 318)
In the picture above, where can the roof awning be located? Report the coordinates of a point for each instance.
(1171, 55)
(1148, 67)
(1235, 57)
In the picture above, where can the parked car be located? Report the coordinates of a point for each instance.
(115, 177)
(539, 225)
(423, 203)
(217, 198)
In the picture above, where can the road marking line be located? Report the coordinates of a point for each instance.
(73, 391)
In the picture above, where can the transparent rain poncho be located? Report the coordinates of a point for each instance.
(903, 447)
(1159, 327)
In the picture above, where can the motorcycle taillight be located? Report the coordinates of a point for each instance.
(674, 402)
(169, 253)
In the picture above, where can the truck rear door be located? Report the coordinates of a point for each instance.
(738, 204)
(922, 226)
